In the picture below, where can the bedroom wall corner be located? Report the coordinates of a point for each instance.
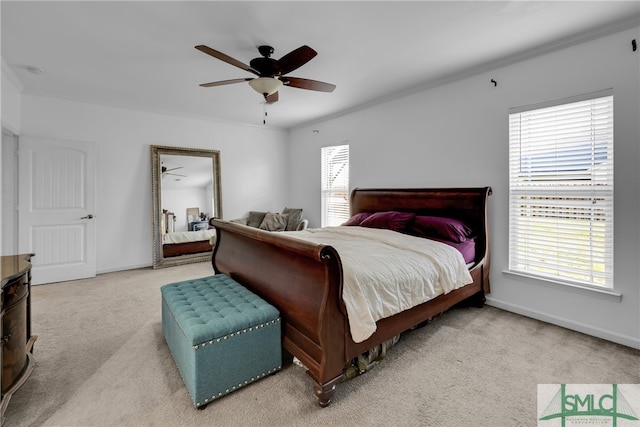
(10, 108)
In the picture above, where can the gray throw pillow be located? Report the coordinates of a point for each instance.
(274, 222)
(255, 218)
(295, 216)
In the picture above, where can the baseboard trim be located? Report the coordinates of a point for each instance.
(565, 323)
(124, 268)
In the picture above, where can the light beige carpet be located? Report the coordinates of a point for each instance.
(101, 360)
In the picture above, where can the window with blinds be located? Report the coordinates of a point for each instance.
(335, 185)
(561, 190)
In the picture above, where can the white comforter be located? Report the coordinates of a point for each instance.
(386, 272)
(188, 236)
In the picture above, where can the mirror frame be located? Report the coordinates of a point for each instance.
(159, 260)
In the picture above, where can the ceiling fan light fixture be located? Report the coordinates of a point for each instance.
(265, 85)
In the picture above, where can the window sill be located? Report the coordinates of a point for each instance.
(606, 294)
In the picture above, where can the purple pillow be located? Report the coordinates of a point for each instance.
(466, 248)
(450, 229)
(396, 221)
(357, 218)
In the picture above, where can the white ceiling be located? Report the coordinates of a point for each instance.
(141, 55)
(186, 171)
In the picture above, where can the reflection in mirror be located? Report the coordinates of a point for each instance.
(186, 194)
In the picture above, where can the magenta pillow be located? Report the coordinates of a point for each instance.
(439, 227)
(357, 218)
(396, 221)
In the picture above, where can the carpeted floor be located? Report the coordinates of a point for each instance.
(101, 360)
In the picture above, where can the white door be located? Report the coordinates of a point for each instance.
(56, 203)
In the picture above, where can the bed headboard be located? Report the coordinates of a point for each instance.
(466, 204)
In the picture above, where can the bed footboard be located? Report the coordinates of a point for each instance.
(304, 281)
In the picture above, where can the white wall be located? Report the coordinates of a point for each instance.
(10, 88)
(178, 201)
(9, 199)
(253, 168)
(456, 135)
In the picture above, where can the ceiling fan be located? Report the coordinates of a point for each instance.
(166, 171)
(271, 72)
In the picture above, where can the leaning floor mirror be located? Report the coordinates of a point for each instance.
(185, 194)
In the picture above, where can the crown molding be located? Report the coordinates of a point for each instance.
(497, 63)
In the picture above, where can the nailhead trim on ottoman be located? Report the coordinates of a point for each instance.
(221, 335)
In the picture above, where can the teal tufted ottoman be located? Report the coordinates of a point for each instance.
(222, 336)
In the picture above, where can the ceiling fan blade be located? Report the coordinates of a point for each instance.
(301, 83)
(226, 58)
(270, 99)
(296, 59)
(225, 82)
(172, 169)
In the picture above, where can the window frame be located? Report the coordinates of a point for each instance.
(334, 185)
(561, 184)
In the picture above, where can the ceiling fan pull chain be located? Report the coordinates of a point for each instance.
(264, 120)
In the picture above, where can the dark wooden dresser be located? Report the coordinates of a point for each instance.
(16, 340)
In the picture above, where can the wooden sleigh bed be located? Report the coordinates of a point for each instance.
(304, 280)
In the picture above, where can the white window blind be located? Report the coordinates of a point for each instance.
(335, 185)
(561, 191)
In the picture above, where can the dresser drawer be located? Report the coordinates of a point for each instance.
(14, 339)
(15, 291)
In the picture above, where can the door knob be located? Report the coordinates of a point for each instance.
(87, 217)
